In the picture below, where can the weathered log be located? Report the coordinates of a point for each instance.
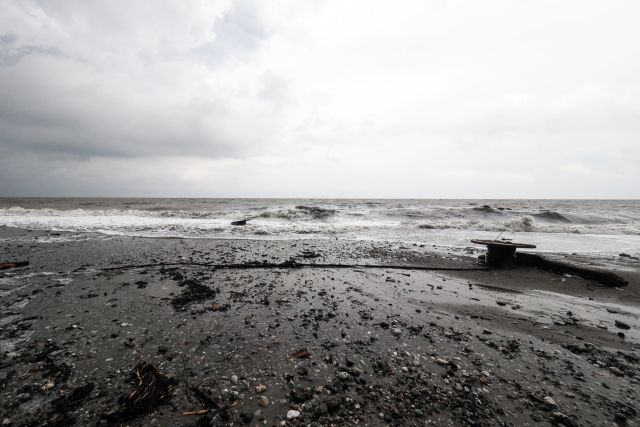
(8, 265)
(605, 278)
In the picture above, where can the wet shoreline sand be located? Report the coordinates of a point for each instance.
(306, 346)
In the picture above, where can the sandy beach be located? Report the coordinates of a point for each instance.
(90, 338)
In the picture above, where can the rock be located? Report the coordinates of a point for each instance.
(619, 417)
(23, 397)
(342, 375)
(621, 325)
(322, 410)
(260, 388)
(241, 222)
(301, 394)
(234, 379)
(334, 403)
(559, 418)
(245, 417)
(616, 371)
(396, 332)
(549, 401)
(293, 414)
(263, 401)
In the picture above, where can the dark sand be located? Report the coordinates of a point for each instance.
(328, 346)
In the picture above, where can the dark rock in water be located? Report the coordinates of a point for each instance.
(317, 212)
(621, 325)
(552, 216)
(487, 209)
(241, 222)
(427, 226)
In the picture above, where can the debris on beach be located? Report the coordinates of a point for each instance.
(606, 278)
(192, 291)
(16, 264)
(302, 353)
(240, 222)
(152, 389)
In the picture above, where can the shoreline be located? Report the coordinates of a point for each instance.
(323, 346)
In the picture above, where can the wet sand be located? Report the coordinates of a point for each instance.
(305, 346)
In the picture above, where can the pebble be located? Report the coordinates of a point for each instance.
(549, 401)
(234, 379)
(263, 401)
(397, 332)
(342, 375)
(616, 371)
(260, 388)
(292, 414)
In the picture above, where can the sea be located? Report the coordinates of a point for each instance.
(594, 227)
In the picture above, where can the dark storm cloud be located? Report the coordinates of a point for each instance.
(131, 100)
(326, 98)
(11, 51)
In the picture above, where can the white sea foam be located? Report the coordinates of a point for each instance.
(567, 225)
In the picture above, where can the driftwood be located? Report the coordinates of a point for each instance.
(152, 389)
(8, 265)
(605, 278)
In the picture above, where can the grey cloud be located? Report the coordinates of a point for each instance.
(329, 97)
(12, 51)
(67, 104)
(237, 34)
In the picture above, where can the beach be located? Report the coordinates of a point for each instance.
(126, 330)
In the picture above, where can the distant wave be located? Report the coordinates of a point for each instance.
(327, 219)
(295, 213)
(298, 213)
(528, 224)
(552, 216)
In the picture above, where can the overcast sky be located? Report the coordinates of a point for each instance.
(291, 98)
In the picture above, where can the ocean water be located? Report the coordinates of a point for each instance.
(580, 226)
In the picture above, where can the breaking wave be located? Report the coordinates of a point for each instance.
(379, 219)
(527, 224)
(552, 216)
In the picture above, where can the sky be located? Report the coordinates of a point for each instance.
(323, 98)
